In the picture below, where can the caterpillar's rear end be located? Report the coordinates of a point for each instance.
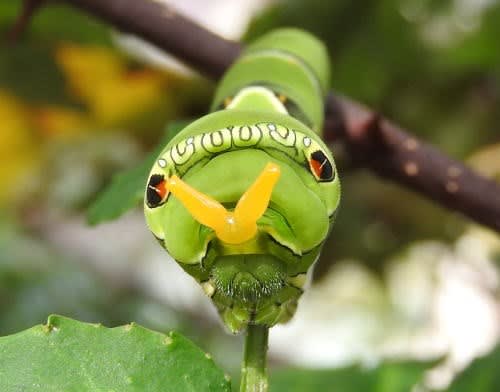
(244, 197)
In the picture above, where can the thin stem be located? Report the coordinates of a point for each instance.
(254, 366)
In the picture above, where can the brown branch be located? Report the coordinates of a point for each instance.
(392, 153)
(372, 140)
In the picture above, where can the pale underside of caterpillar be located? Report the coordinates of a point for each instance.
(244, 197)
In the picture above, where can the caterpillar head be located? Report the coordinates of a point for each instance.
(247, 221)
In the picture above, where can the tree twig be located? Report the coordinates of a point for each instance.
(392, 153)
(254, 366)
(374, 141)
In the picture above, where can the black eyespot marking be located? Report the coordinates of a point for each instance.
(321, 167)
(156, 192)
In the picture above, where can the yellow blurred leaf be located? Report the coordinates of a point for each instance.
(100, 78)
(86, 67)
(127, 97)
(19, 152)
(56, 121)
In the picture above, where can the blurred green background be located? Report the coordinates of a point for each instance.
(400, 277)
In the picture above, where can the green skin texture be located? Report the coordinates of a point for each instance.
(221, 155)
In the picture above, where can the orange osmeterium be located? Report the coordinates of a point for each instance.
(232, 227)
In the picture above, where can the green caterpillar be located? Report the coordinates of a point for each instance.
(244, 197)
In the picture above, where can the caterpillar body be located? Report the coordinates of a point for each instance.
(244, 197)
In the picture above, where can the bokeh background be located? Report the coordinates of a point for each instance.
(400, 277)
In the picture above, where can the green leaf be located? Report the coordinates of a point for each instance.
(388, 377)
(35, 47)
(127, 188)
(45, 85)
(68, 355)
(482, 375)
